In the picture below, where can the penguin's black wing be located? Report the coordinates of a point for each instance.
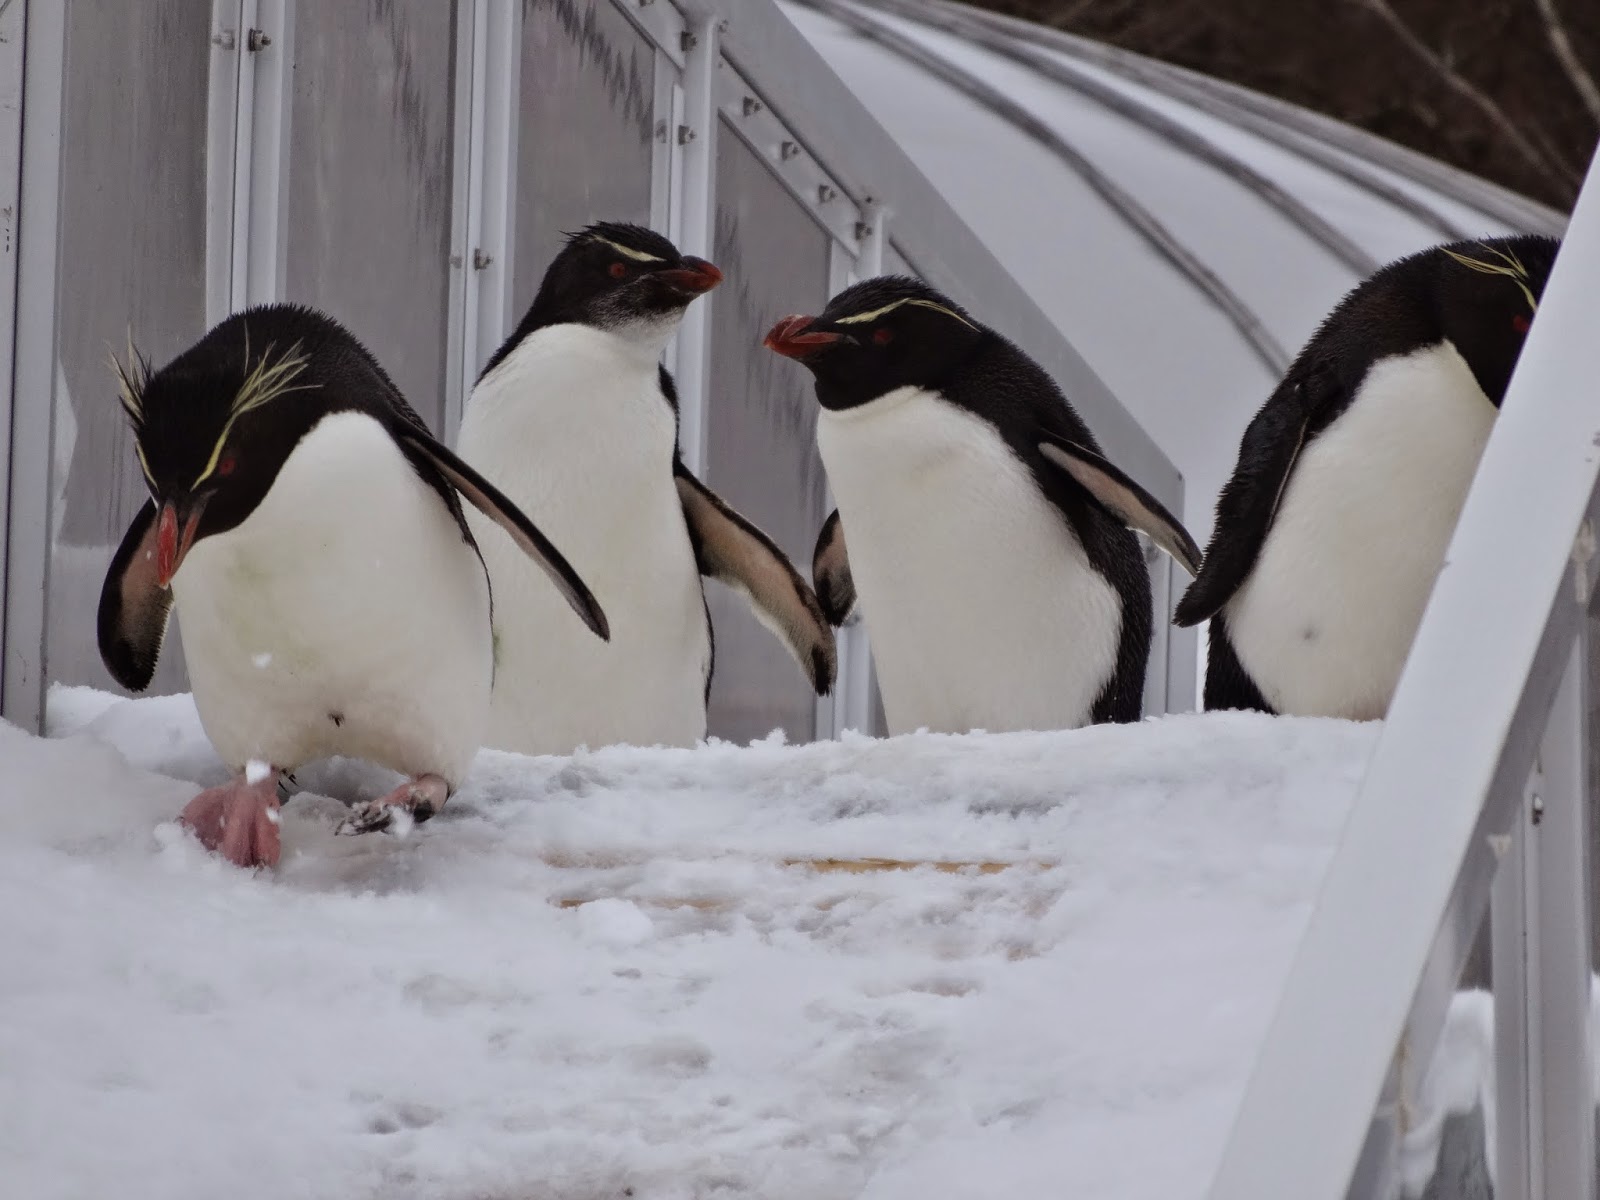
(830, 571)
(134, 607)
(492, 503)
(1249, 501)
(731, 550)
(1123, 498)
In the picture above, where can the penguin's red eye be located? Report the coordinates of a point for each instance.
(1520, 323)
(618, 270)
(227, 465)
(883, 335)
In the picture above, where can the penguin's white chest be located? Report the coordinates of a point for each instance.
(346, 615)
(1324, 622)
(983, 610)
(573, 427)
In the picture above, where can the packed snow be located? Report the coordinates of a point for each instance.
(657, 973)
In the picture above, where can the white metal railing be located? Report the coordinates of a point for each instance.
(1477, 785)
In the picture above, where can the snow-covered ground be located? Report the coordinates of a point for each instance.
(643, 972)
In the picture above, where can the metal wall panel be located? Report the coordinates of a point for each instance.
(761, 428)
(370, 171)
(585, 129)
(132, 262)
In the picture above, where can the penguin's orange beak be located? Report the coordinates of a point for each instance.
(695, 276)
(793, 337)
(174, 536)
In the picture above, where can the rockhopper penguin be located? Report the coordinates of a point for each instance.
(576, 419)
(989, 541)
(310, 531)
(1350, 479)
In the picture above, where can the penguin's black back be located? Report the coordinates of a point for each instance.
(1404, 307)
(1412, 303)
(1006, 388)
(339, 375)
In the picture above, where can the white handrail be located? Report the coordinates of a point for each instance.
(1411, 875)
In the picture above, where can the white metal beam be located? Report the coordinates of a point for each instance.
(1467, 717)
(29, 512)
(12, 32)
(698, 137)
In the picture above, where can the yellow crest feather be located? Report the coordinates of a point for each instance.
(1510, 266)
(267, 381)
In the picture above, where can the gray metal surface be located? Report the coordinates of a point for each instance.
(1408, 884)
(132, 259)
(369, 181)
(959, 21)
(761, 421)
(585, 129)
(1136, 215)
(1332, 145)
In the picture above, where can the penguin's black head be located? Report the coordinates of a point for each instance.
(212, 428)
(876, 336)
(623, 278)
(1487, 293)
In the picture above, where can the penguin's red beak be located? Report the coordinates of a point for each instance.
(695, 276)
(793, 337)
(174, 536)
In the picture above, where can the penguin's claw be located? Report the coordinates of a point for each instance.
(409, 804)
(238, 820)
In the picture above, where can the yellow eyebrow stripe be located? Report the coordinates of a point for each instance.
(629, 252)
(216, 452)
(863, 318)
(144, 464)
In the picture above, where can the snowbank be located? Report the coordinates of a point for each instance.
(617, 971)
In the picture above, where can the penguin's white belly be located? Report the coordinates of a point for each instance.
(983, 610)
(579, 436)
(1324, 622)
(346, 615)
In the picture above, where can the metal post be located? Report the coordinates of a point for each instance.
(261, 158)
(1516, 1011)
(1564, 1141)
(853, 692)
(698, 137)
(222, 143)
(12, 27)
(487, 143)
(29, 512)
(1540, 924)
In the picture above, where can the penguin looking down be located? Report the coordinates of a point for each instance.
(1334, 525)
(576, 419)
(310, 532)
(989, 542)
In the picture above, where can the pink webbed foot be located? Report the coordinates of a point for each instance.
(410, 803)
(238, 820)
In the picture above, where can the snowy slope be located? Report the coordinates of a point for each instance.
(597, 974)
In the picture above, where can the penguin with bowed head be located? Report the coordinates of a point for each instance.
(990, 543)
(310, 532)
(1334, 525)
(576, 419)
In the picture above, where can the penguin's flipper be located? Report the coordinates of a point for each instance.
(1249, 501)
(134, 607)
(1123, 498)
(732, 551)
(830, 571)
(492, 503)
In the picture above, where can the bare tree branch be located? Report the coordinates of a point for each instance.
(1469, 92)
(1582, 82)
